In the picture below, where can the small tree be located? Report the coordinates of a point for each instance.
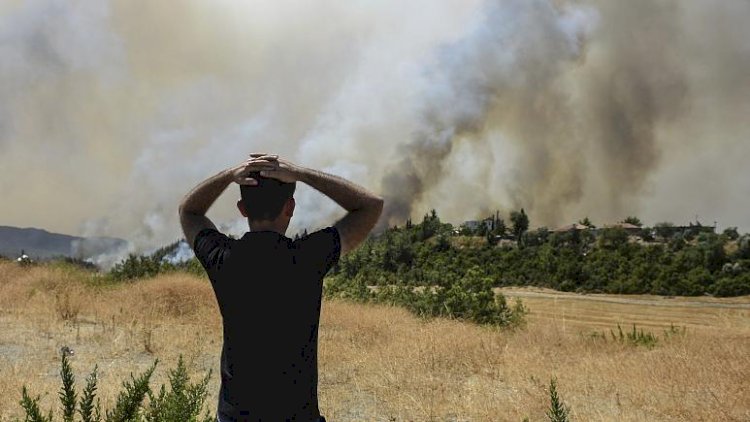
(520, 222)
(731, 233)
(500, 227)
(557, 411)
(587, 222)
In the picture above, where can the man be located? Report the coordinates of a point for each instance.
(269, 287)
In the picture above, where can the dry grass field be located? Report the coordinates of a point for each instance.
(382, 364)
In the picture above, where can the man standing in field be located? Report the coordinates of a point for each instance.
(269, 287)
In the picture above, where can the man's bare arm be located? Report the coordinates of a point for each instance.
(363, 206)
(197, 202)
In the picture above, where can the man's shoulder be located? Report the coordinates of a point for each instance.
(321, 248)
(323, 235)
(211, 235)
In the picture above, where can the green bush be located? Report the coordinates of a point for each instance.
(471, 298)
(136, 266)
(557, 410)
(732, 286)
(183, 402)
(634, 337)
(144, 266)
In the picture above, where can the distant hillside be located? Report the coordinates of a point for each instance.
(41, 244)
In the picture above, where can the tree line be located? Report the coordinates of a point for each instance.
(657, 260)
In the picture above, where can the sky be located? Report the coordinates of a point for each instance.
(112, 110)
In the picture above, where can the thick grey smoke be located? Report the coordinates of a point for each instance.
(501, 78)
(581, 92)
(112, 110)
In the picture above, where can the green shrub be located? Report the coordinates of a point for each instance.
(732, 286)
(557, 411)
(635, 337)
(136, 266)
(182, 403)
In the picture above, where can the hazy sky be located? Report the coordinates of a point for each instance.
(111, 111)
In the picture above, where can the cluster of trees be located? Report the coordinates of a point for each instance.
(435, 254)
(142, 266)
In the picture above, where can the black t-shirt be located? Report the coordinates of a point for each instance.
(269, 292)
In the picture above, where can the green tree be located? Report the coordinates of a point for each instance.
(430, 225)
(492, 239)
(731, 233)
(520, 222)
(587, 222)
(664, 229)
(743, 246)
(499, 227)
(613, 237)
(536, 237)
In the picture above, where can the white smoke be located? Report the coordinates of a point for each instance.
(181, 253)
(112, 110)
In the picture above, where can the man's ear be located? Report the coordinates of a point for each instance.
(289, 207)
(241, 207)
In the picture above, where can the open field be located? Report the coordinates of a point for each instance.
(382, 364)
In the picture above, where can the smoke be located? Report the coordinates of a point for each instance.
(589, 99)
(183, 252)
(101, 251)
(500, 77)
(113, 110)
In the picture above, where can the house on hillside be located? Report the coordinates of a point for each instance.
(630, 229)
(476, 224)
(571, 228)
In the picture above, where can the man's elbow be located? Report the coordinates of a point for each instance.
(373, 208)
(376, 204)
(182, 211)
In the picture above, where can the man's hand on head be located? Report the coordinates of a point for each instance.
(196, 203)
(255, 164)
(282, 170)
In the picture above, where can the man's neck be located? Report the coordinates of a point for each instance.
(267, 226)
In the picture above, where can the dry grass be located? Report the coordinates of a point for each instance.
(382, 364)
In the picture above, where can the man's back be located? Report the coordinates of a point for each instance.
(269, 292)
(268, 286)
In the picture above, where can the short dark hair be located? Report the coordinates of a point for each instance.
(265, 200)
